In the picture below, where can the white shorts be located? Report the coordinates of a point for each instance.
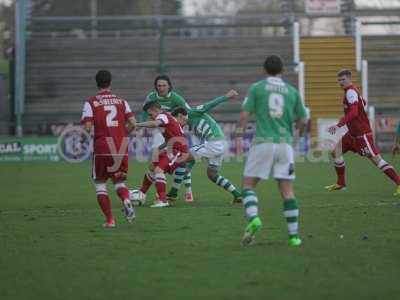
(213, 151)
(268, 158)
(158, 138)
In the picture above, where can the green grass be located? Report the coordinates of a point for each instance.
(52, 245)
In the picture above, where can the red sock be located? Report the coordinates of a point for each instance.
(391, 173)
(340, 171)
(123, 193)
(105, 206)
(161, 184)
(147, 182)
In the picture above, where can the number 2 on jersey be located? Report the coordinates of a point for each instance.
(111, 113)
(275, 105)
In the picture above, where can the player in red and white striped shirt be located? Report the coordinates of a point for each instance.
(112, 120)
(172, 153)
(359, 137)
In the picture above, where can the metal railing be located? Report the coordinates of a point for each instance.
(116, 26)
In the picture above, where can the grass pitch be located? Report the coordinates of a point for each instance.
(53, 245)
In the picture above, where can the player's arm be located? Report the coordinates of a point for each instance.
(231, 94)
(131, 124)
(129, 117)
(87, 117)
(302, 116)
(352, 99)
(149, 124)
(301, 125)
(243, 122)
(248, 107)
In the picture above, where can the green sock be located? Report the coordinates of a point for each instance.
(291, 213)
(187, 179)
(227, 185)
(250, 203)
(179, 174)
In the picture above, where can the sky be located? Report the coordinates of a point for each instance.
(189, 5)
(5, 1)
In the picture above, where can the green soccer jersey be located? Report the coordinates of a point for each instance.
(202, 124)
(398, 129)
(168, 103)
(276, 105)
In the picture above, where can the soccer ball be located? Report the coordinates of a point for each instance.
(137, 197)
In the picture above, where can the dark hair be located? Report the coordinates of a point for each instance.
(344, 72)
(103, 79)
(273, 65)
(179, 110)
(163, 77)
(150, 104)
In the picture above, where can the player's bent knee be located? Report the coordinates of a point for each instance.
(286, 189)
(212, 171)
(249, 182)
(119, 185)
(158, 170)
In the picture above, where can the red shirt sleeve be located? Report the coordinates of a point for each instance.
(351, 114)
(164, 119)
(128, 112)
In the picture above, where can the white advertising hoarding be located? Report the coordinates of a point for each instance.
(322, 6)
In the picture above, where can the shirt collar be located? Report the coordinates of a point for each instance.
(163, 97)
(104, 92)
(275, 80)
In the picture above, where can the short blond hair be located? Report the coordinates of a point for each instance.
(344, 72)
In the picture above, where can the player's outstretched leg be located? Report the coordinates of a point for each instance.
(187, 179)
(123, 194)
(250, 203)
(182, 174)
(225, 184)
(389, 172)
(148, 180)
(291, 213)
(176, 184)
(105, 204)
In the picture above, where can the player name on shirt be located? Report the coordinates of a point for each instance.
(276, 88)
(106, 100)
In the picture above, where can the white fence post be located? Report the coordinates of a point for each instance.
(296, 42)
(358, 45)
(301, 75)
(364, 79)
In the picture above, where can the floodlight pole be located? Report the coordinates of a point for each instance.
(19, 86)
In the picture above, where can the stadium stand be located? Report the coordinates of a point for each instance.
(383, 56)
(323, 58)
(60, 70)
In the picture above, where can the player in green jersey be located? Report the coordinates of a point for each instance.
(169, 100)
(396, 145)
(277, 106)
(212, 148)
